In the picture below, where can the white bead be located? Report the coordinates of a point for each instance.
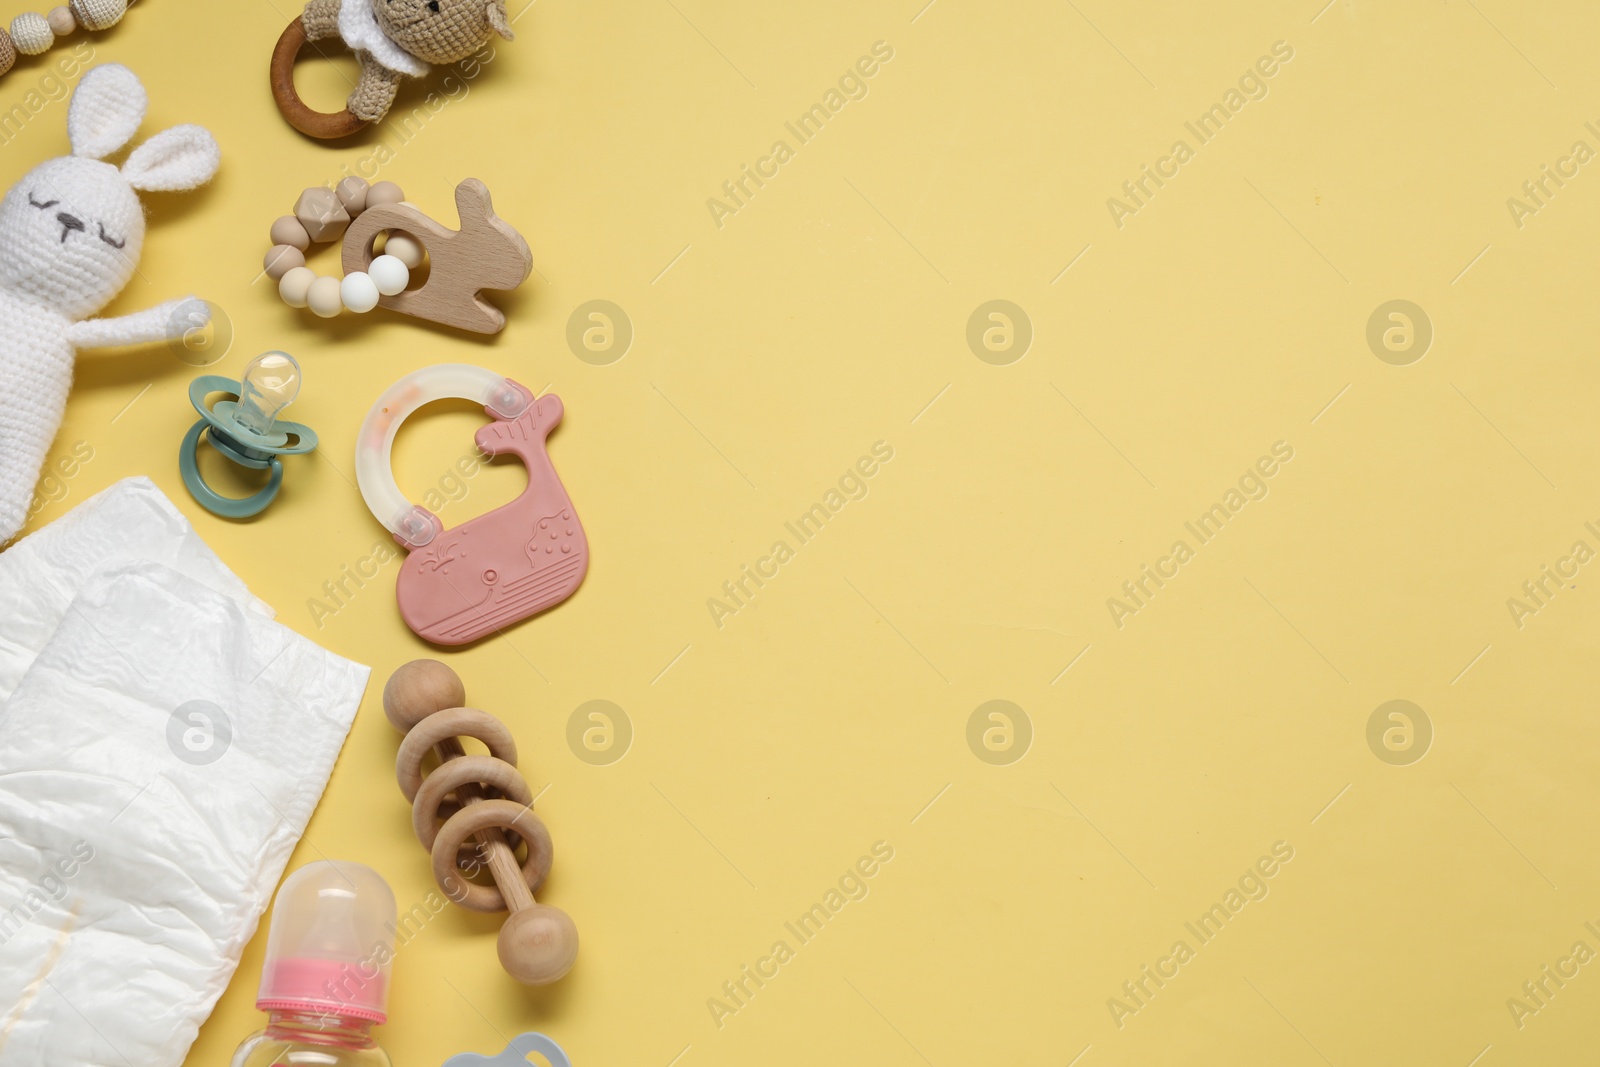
(295, 285)
(32, 33)
(404, 247)
(390, 275)
(359, 292)
(323, 297)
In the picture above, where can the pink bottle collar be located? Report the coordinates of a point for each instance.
(324, 986)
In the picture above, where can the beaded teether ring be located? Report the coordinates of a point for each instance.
(32, 34)
(486, 253)
(321, 215)
(246, 430)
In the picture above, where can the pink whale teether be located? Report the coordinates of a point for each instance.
(458, 585)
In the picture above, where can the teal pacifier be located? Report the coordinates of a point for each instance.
(246, 429)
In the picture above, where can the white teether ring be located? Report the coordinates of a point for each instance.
(411, 523)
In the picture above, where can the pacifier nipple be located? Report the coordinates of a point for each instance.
(271, 383)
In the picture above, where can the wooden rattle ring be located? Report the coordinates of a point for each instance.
(322, 125)
(450, 777)
(491, 815)
(473, 852)
(441, 726)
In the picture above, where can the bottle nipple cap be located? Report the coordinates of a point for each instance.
(331, 943)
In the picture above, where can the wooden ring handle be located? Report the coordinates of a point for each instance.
(491, 815)
(471, 852)
(319, 124)
(451, 776)
(441, 726)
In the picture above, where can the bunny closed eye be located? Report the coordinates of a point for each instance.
(72, 224)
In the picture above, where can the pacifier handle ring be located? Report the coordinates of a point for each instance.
(325, 126)
(412, 524)
(213, 501)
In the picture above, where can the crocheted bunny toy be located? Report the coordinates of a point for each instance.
(399, 38)
(70, 235)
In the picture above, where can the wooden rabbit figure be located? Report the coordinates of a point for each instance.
(486, 253)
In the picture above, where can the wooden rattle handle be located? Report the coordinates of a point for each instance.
(322, 125)
(538, 943)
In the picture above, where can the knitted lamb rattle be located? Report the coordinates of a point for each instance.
(393, 39)
(70, 235)
(486, 809)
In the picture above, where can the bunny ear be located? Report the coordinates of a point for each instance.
(106, 109)
(180, 158)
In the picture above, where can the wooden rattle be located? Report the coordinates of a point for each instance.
(480, 798)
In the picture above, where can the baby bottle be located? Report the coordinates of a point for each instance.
(325, 981)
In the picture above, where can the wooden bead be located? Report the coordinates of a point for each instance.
(8, 52)
(384, 193)
(419, 689)
(288, 231)
(352, 193)
(32, 33)
(320, 212)
(98, 14)
(323, 297)
(281, 259)
(295, 285)
(359, 292)
(538, 945)
(62, 21)
(404, 247)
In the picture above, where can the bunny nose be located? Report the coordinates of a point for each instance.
(68, 224)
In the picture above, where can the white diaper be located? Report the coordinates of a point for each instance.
(40, 574)
(138, 851)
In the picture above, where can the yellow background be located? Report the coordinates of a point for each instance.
(1230, 713)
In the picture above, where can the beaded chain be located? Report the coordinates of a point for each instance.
(32, 34)
(321, 215)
